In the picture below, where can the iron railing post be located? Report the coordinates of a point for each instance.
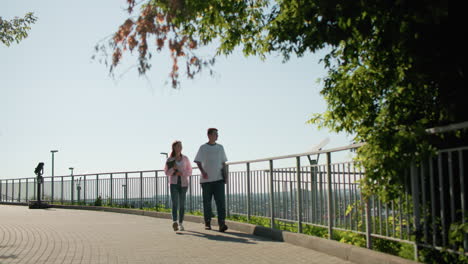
(416, 213)
(424, 202)
(12, 191)
(19, 190)
(228, 196)
(72, 198)
(368, 224)
(433, 201)
(27, 190)
(61, 190)
(272, 197)
(299, 194)
(52, 189)
(314, 192)
(167, 197)
(42, 188)
(97, 187)
(190, 194)
(329, 197)
(156, 187)
(84, 189)
(461, 169)
(249, 210)
(34, 189)
(111, 191)
(126, 190)
(141, 190)
(442, 200)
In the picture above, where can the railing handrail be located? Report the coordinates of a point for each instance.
(348, 147)
(104, 173)
(447, 128)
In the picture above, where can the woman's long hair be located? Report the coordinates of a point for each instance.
(173, 153)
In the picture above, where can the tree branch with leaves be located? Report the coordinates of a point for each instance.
(388, 67)
(16, 29)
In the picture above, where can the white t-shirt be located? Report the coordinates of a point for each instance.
(212, 158)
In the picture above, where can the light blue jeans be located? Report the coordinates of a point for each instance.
(178, 194)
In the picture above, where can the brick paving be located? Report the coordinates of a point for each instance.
(78, 236)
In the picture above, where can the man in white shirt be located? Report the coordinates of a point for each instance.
(211, 160)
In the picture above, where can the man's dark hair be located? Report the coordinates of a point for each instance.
(211, 130)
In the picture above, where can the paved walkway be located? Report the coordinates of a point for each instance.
(78, 236)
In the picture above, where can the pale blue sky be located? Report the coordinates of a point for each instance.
(53, 96)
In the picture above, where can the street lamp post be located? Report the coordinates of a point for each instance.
(165, 153)
(52, 188)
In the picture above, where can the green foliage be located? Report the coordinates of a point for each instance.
(98, 201)
(16, 29)
(403, 250)
(108, 201)
(350, 238)
(436, 257)
(315, 231)
(121, 206)
(157, 208)
(46, 197)
(196, 213)
(389, 247)
(457, 233)
(379, 90)
(82, 203)
(388, 75)
(255, 220)
(162, 208)
(406, 251)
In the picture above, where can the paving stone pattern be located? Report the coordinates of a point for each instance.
(78, 236)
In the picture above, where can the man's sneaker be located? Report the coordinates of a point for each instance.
(175, 226)
(223, 227)
(181, 227)
(207, 226)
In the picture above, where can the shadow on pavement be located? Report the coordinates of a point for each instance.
(8, 256)
(218, 237)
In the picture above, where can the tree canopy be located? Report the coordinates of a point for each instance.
(15, 29)
(388, 65)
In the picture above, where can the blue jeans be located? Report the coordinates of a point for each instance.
(216, 190)
(178, 194)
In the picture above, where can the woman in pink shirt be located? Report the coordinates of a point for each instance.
(178, 169)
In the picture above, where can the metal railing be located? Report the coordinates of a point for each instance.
(324, 194)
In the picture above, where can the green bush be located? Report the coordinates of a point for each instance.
(98, 201)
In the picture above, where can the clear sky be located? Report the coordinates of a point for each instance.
(53, 96)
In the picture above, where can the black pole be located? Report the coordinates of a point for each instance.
(38, 203)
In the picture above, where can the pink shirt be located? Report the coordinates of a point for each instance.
(185, 168)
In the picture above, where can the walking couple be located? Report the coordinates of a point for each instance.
(211, 160)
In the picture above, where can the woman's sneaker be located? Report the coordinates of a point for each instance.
(175, 226)
(181, 227)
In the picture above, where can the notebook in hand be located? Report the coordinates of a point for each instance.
(170, 163)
